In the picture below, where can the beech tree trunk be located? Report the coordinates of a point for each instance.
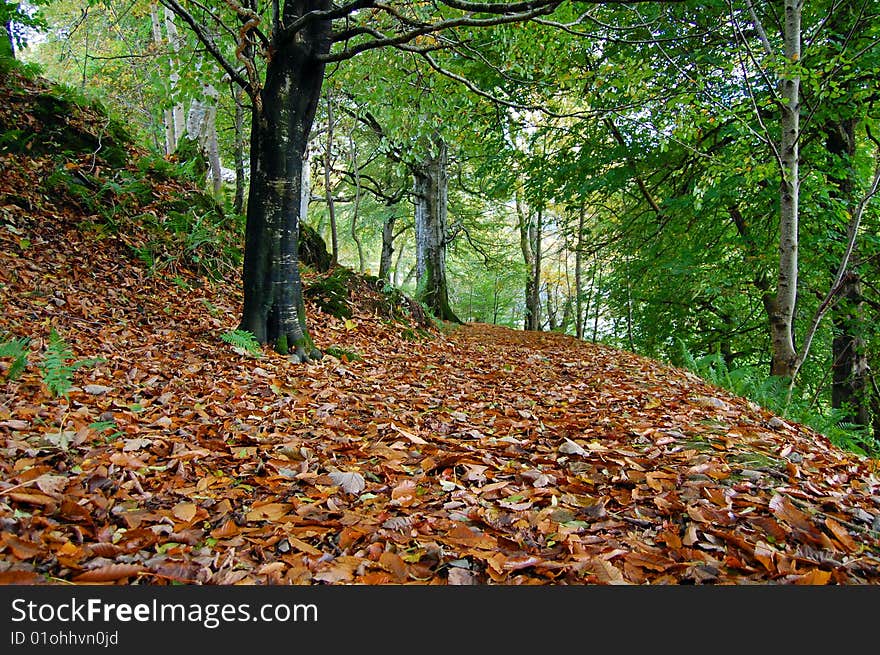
(238, 151)
(430, 190)
(849, 359)
(530, 227)
(201, 126)
(387, 247)
(328, 192)
(282, 120)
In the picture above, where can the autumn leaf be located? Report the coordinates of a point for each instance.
(109, 573)
(349, 481)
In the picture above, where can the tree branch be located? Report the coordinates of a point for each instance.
(206, 40)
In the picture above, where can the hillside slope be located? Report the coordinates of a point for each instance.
(479, 456)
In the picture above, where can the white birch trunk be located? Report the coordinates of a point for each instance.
(782, 318)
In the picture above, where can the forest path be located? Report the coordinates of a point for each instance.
(475, 456)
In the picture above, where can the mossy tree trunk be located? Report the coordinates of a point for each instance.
(282, 119)
(431, 191)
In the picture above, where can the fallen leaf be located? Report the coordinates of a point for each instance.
(349, 481)
(185, 512)
(109, 573)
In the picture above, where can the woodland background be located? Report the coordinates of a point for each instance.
(614, 172)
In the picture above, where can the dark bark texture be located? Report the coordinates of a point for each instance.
(282, 120)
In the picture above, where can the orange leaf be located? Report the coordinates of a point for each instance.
(392, 563)
(814, 577)
(404, 494)
(841, 534)
(269, 512)
(186, 512)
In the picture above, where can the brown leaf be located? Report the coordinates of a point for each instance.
(127, 461)
(408, 435)
(110, 573)
(17, 577)
(269, 512)
(21, 548)
(185, 512)
(607, 573)
(392, 563)
(841, 534)
(404, 494)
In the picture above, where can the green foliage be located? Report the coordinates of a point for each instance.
(243, 342)
(59, 364)
(343, 354)
(772, 393)
(330, 292)
(201, 238)
(17, 350)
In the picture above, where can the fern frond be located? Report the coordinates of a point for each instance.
(59, 365)
(243, 342)
(17, 350)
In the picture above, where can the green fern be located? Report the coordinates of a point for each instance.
(17, 350)
(243, 342)
(59, 365)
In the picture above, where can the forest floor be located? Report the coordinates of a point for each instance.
(468, 455)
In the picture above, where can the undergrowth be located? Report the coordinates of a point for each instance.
(57, 363)
(771, 393)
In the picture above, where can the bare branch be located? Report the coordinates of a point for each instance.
(430, 28)
(206, 40)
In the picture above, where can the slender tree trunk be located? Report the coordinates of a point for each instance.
(597, 306)
(167, 116)
(328, 191)
(175, 42)
(238, 150)
(201, 126)
(530, 244)
(7, 40)
(282, 120)
(782, 306)
(398, 280)
(431, 188)
(357, 203)
(578, 274)
(421, 201)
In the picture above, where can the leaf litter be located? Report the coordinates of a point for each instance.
(479, 455)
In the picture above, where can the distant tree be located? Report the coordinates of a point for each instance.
(278, 54)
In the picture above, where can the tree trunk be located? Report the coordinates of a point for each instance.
(849, 360)
(201, 126)
(357, 203)
(175, 42)
(238, 151)
(282, 120)
(387, 247)
(578, 274)
(167, 117)
(328, 192)
(782, 306)
(430, 187)
(7, 40)
(530, 228)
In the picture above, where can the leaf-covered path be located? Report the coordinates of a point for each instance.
(483, 455)
(476, 456)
